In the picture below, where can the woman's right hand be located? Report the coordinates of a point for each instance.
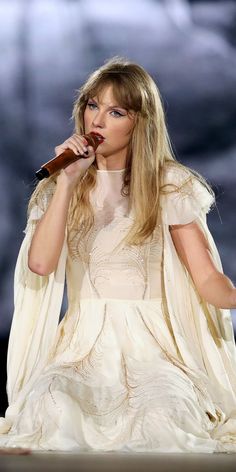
(78, 144)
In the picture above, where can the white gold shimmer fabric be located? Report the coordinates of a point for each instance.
(139, 362)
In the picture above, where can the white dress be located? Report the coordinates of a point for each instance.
(117, 373)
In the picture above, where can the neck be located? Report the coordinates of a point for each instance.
(107, 192)
(112, 163)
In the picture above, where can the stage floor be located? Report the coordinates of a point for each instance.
(116, 462)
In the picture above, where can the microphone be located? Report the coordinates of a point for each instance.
(67, 157)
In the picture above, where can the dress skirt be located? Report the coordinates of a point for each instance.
(109, 386)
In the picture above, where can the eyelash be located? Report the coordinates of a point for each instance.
(92, 105)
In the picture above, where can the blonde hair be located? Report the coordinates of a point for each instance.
(149, 149)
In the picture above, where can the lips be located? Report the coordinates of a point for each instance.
(98, 134)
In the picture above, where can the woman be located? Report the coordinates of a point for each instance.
(144, 358)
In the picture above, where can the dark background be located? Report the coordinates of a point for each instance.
(47, 50)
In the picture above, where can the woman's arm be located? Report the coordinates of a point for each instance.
(49, 233)
(48, 238)
(193, 249)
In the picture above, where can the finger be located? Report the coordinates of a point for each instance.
(78, 143)
(81, 142)
(75, 146)
(82, 138)
(90, 151)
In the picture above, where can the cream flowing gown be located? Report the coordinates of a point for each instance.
(139, 362)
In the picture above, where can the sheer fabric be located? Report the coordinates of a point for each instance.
(139, 362)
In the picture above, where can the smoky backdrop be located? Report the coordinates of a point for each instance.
(49, 47)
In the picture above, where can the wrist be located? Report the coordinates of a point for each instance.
(66, 184)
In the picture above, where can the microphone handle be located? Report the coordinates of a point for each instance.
(67, 157)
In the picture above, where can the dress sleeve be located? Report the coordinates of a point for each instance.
(40, 206)
(183, 198)
(37, 305)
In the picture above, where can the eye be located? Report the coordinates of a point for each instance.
(117, 113)
(91, 105)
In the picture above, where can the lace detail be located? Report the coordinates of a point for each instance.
(107, 261)
(110, 267)
(39, 208)
(183, 197)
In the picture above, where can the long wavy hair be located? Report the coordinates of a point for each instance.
(148, 151)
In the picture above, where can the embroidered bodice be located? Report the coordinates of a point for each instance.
(101, 266)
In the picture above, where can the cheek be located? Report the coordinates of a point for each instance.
(124, 129)
(86, 117)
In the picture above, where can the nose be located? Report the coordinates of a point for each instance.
(99, 120)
